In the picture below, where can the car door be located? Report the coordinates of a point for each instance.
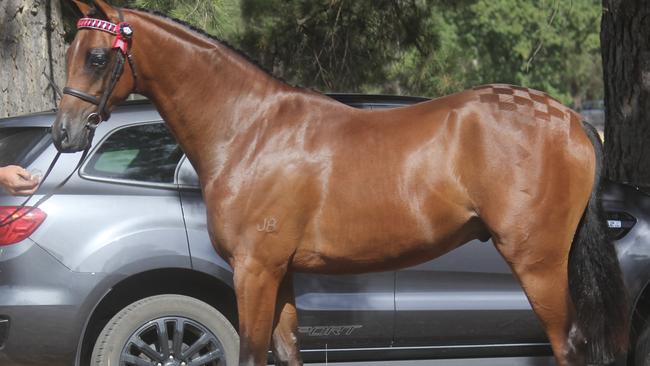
(333, 311)
(123, 206)
(466, 297)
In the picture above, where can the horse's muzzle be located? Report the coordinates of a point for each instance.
(71, 139)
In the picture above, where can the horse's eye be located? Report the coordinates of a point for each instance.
(97, 57)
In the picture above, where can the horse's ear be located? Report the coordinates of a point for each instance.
(83, 8)
(106, 10)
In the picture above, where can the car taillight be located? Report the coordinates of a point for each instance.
(20, 225)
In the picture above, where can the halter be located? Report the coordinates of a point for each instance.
(122, 43)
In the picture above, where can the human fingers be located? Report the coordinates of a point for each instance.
(23, 173)
(20, 185)
(25, 192)
(15, 171)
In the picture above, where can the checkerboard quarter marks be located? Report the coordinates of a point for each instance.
(295, 181)
(531, 102)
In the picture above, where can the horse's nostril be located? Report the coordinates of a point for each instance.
(64, 134)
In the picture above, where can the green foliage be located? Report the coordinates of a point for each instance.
(221, 18)
(434, 62)
(429, 47)
(551, 45)
(328, 44)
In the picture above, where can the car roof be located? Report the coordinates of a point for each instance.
(143, 110)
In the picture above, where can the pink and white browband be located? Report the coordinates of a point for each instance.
(122, 31)
(98, 24)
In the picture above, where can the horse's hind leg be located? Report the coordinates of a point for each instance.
(539, 260)
(285, 341)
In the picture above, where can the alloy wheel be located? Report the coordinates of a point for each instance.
(172, 341)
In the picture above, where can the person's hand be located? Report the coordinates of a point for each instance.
(17, 181)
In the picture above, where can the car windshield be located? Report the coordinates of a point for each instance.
(20, 145)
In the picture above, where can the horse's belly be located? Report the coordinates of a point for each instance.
(348, 257)
(366, 258)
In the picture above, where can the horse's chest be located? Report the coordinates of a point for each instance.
(251, 211)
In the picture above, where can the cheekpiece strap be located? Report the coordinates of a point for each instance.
(122, 31)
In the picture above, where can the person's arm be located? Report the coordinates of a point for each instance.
(17, 181)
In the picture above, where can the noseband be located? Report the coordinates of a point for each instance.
(122, 44)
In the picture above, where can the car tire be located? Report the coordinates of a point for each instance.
(143, 319)
(642, 348)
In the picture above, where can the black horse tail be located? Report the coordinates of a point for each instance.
(595, 280)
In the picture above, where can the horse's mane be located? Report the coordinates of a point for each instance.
(214, 38)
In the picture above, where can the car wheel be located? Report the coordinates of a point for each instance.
(642, 349)
(167, 330)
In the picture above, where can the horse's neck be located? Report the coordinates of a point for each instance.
(206, 92)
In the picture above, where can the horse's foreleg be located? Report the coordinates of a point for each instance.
(285, 341)
(256, 288)
(541, 267)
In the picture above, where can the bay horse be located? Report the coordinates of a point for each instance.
(294, 181)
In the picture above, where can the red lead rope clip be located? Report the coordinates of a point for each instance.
(123, 37)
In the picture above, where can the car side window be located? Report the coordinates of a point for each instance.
(145, 153)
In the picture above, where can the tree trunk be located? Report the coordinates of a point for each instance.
(31, 52)
(625, 42)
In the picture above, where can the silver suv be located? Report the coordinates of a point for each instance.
(120, 259)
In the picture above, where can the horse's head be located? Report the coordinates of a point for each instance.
(96, 64)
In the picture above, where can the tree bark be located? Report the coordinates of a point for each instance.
(625, 39)
(31, 52)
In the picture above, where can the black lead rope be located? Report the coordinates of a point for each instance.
(11, 218)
